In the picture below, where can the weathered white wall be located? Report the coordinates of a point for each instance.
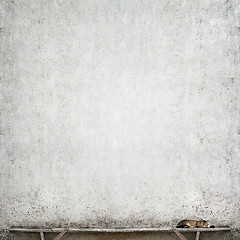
(119, 113)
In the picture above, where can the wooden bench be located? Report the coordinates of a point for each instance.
(115, 230)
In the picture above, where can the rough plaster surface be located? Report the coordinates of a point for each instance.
(119, 113)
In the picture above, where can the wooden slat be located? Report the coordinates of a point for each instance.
(89, 229)
(15, 229)
(203, 229)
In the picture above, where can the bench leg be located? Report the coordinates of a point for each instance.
(179, 234)
(42, 236)
(197, 235)
(60, 235)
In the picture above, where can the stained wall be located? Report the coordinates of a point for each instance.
(119, 113)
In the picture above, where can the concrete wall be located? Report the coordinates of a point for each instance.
(119, 113)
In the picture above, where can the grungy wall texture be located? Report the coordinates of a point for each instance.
(119, 113)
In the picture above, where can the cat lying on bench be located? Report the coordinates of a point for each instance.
(194, 224)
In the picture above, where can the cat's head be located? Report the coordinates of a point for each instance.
(204, 223)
